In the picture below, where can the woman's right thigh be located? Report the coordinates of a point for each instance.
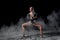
(27, 23)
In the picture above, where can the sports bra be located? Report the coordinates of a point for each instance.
(28, 17)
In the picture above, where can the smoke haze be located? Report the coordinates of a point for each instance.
(15, 30)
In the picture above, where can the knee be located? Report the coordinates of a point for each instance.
(22, 25)
(40, 27)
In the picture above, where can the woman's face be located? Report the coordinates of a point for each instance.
(31, 9)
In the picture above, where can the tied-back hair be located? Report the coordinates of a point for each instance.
(32, 8)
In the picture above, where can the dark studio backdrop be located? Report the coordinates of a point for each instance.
(13, 14)
(13, 10)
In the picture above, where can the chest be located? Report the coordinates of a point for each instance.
(31, 14)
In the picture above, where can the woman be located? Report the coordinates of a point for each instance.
(32, 16)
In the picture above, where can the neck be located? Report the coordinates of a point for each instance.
(32, 12)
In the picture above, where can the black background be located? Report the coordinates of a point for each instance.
(13, 10)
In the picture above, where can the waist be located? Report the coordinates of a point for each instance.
(33, 21)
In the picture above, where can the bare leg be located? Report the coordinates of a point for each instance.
(24, 25)
(23, 29)
(41, 31)
(40, 28)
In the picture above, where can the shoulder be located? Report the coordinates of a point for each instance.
(35, 13)
(28, 14)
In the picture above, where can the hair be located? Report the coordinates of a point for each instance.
(32, 8)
